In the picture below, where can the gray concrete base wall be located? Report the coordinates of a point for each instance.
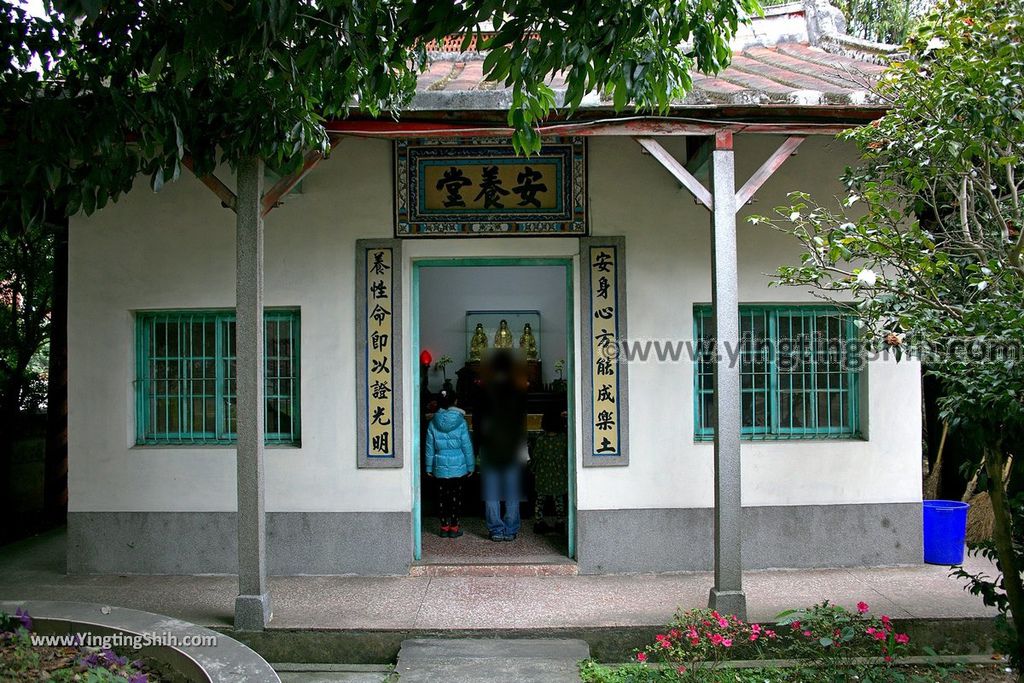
(798, 536)
(608, 541)
(368, 543)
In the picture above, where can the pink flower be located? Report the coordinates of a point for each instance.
(722, 623)
(666, 644)
(716, 639)
(727, 642)
(807, 634)
(641, 657)
(674, 633)
(770, 633)
(795, 626)
(886, 623)
(879, 635)
(715, 614)
(888, 658)
(681, 670)
(862, 607)
(756, 628)
(902, 638)
(753, 637)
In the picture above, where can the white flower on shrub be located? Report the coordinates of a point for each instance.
(867, 277)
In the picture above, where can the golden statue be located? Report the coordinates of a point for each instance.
(503, 337)
(527, 343)
(478, 344)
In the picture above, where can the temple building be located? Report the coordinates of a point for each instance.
(624, 244)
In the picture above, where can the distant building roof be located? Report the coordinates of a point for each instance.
(797, 55)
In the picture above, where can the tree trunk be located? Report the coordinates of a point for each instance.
(10, 431)
(1002, 534)
(56, 473)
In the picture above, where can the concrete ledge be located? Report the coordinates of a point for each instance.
(226, 661)
(311, 543)
(964, 636)
(790, 537)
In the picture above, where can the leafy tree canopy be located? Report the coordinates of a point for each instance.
(96, 92)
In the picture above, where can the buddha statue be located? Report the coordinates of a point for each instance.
(503, 337)
(478, 344)
(527, 343)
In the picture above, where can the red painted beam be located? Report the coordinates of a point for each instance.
(634, 127)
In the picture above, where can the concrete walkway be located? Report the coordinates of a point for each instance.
(34, 569)
(468, 660)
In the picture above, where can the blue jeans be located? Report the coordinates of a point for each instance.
(498, 485)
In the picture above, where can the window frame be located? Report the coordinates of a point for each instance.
(219, 435)
(773, 429)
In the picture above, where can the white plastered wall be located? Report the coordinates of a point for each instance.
(668, 270)
(175, 249)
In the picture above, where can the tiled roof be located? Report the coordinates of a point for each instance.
(791, 73)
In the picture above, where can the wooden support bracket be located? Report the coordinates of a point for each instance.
(678, 171)
(272, 197)
(224, 194)
(723, 140)
(768, 168)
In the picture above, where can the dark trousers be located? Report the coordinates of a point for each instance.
(450, 500)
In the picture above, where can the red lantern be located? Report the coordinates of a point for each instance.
(425, 357)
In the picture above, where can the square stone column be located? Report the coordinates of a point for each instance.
(252, 606)
(727, 593)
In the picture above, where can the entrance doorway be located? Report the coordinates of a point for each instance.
(453, 300)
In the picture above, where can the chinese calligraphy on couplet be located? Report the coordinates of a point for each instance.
(380, 428)
(604, 338)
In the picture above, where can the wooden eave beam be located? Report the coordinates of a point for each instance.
(642, 127)
(223, 192)
(272, 197)
(677, 170)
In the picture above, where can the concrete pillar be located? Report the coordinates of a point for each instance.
(727, 593)
(252, 606)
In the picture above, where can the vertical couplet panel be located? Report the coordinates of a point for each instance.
(379, 353)
(604, 372)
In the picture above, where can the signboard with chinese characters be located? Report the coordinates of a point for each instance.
(379, 344)
(605, 390)
(481, 187)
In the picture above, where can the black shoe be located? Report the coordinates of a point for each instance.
(510, 537)
(498, 538)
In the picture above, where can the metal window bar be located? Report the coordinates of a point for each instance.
(797, 378)
(185, 386)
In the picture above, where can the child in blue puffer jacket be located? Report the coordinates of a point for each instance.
(449, 455)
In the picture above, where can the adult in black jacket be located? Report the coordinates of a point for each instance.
(499, 423)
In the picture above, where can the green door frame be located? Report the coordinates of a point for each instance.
(570, 339)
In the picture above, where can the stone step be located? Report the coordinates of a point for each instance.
(566, 568)
(496, 660)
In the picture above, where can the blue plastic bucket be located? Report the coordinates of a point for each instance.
(945, 526)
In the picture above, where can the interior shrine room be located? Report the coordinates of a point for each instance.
(467, 312)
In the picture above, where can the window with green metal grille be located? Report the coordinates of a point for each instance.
(798, 376)
(186, 387)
